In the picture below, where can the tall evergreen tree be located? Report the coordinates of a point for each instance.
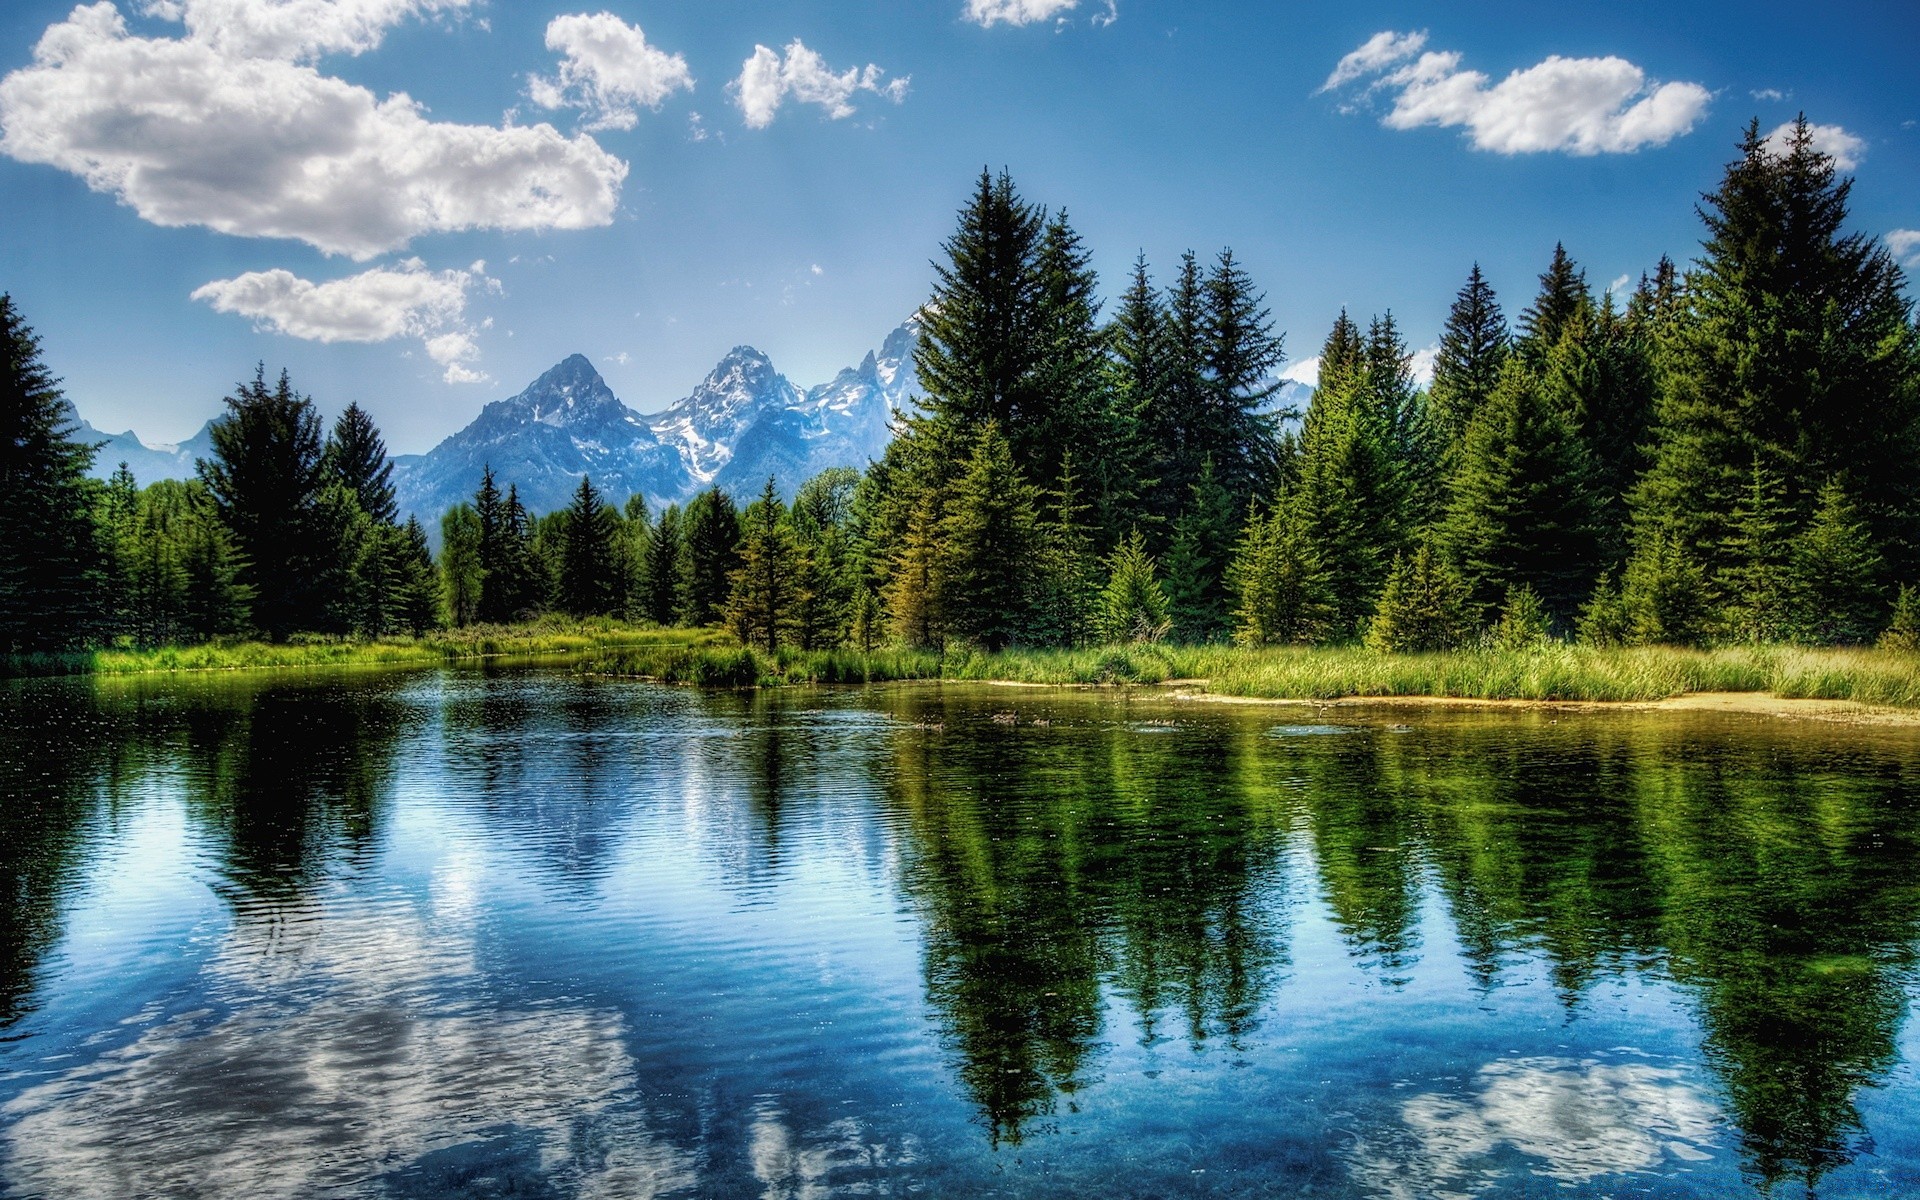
(768, 580)
(1147, 442)
(1473, 349)
(1522, 512)
(1280, 583)
(1071, 413)
(709, 553)
(418, 597)
(589, 580)
(1065, 584)
(660, 576)
(357, 459)
(1196, 563)
(266, 476)
(916, 579)
(1563, 294)
(1759, 574)
(1835, 572)
(462, 573)
(1242, 352)
(1797, 344)
(989, 535)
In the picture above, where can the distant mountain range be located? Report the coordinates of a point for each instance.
(745, 422)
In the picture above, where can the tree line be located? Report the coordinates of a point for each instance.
(1726, 456)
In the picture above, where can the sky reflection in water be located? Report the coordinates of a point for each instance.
(520, 934)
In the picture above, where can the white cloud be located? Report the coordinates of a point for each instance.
(203, 130)
(1375, 54)
(1845, 149)
(1905, 244)
(1305, 371)
(767, 80)
(295, 30)
(986, 13)
(1619, 285)
(1422, 365)
(1573, 105)
(373, 306)
(607, 70)
(1769, 94)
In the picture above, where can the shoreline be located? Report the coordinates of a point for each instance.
(1755, 704)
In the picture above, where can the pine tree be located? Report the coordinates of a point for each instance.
(1146, 442)
(357, 459)
(822, 518)
(916, 583)
(1606, 620)
(1524, 621)
(1563, 296)
(462, 573)
(1759, 574)
(1280, 581)
(990, 538)
(1600, 378)
(155, 574)
(1795, 342)
(1665, 593)
(1203, 541)
(1133, 608)
(1241, 354)
(216, 602)
(117, 520)
(50, 565)
(1473, 349)
(1522, 512)
(709, 553)
(589, 581)
(977, 352)
(1903, 630)
(267, 477)
(1424, 607)
(1066, 585)
(418, 584)
(1071, 408)
(1835, 574)
(764, 585)
(660, 576)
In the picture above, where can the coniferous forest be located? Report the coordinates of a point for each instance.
(1725, 456)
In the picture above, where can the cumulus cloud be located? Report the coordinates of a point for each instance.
(373, 306)
(226, 128)
(1905, 244)
(1578, 106)
(607, 70)
(1375, 54)
(768, 79)
(1845, 149)
(986, 13)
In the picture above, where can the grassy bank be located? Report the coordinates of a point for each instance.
(1558, 672)
(536, 639)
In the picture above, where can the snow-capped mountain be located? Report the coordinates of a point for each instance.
(744, 422)
(149, 463)
(565, 424)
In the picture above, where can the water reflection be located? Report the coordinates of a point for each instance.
(1437, 960)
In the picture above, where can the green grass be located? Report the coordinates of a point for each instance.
(544, 638)
(710, 658)
(1553, 672)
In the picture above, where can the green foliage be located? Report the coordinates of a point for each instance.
(1284, 593)
(1563, 299)
(709, 554)
(1203, 542)
(1473, 349)
(1133, 608)
(988, 538)
(461, 573)
(660, 571)
(356, 458)
(591, 580)
(1665, 594)
(1425, 607)
(1524, 621)
(769, 583)
(1521, 510)
(1903, 631)
(1065, 585)
(1836, 570)
(1759, 573)
(1605, 620)
(916, 580)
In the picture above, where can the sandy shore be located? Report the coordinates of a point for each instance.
(1761, 704)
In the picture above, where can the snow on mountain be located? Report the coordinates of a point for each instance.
(708, 424)
(565, 424)
(149, 463)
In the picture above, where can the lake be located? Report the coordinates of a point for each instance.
(517, 933)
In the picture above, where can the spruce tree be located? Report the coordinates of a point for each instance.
(267, 477)
(989, 535)
(916, 579)
(1473, 349)
(1146, 440)
(1241, 353)
(527, 582)
(462, 573)
(1665, 593)
(709, 553)
(1600, 377)
(216, 602)
(1196, 564)
(1423, 608)
(1071, 408)
(418, 584)
(589, 582)
(1759, 574)
(1280, 582)
(50, 562)
(502, 575)
(660, 576)
(1796, 343)
(1066, 587)
(357, 459)
(1521, 511)
(1835, 575)
(1133, 608)
(822, 517)
(1563, 296)
(1524, 621)
(764, 585)
(1903, 629)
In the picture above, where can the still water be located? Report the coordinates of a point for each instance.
(522, 934)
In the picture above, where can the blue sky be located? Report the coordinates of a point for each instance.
(194, 185)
